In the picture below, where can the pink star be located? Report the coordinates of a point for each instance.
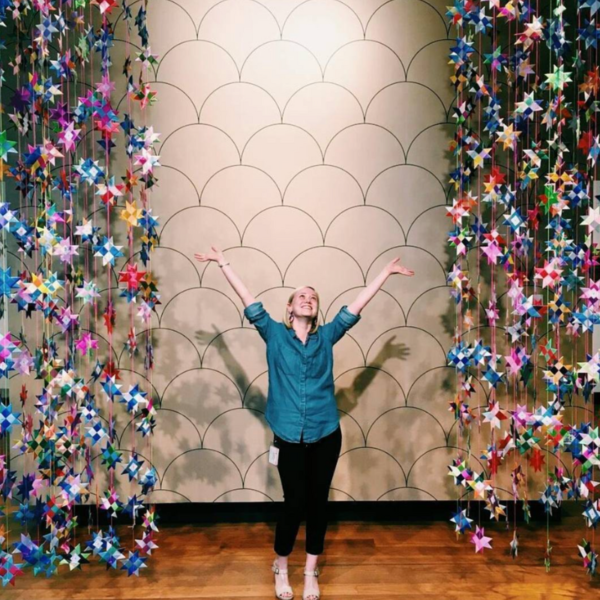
(86, 342)
(480, 540)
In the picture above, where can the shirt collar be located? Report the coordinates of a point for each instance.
(310, 335)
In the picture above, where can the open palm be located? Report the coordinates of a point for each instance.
(215, 254)
(396, 268)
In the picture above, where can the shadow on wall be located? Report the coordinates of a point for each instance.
(347, 397)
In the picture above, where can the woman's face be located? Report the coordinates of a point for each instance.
(304, 304)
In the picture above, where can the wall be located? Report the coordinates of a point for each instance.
(309, 140)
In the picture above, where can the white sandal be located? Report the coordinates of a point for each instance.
(311, 595)
(280, 590)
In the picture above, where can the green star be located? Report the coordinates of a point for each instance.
(6, 146)
(558, 79)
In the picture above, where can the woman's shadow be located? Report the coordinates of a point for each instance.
(255, 400)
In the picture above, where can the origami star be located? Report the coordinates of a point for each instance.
(480, 540)
(461, 521)
(134, 563)
(146, 544)
(69, 137)
(75, 558)
(591, 513)
(88, 292)
(86, 343)
(6, 146)
(134, 398)
(107, 251)
(590, 558)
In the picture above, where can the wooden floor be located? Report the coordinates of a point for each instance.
(361, 560)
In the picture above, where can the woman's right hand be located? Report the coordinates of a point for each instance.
(215, 255)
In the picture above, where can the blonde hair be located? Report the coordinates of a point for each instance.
(286, 314)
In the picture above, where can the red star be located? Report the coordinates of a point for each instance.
(132, 277)
(537, 460)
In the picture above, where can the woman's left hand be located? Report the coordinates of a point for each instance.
(395, 268)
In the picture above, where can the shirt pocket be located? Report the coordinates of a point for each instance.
(288, 361)
(319, 364)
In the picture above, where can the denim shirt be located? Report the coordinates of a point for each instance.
(301, 402)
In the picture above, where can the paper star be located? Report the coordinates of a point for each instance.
(480, 540)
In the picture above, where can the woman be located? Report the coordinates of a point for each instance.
(301, 410)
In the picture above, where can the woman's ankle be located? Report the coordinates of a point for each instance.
(311, 562)
(282, 561)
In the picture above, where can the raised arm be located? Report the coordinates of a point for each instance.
(367, 293)
(236, 283)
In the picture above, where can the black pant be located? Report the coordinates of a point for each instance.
(306, 471)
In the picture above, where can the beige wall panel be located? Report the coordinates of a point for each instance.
(429, 472)
(315, 266)
(263, 477)
(240, 110)
(434, 301)
(281, 9)
(202, 313)
(199, 151)
(406, 433)
(433, 391)
(239, 354)
(165, 123)
(428, 273)
(347, 355)
(168, 25)
(282, 151)
(429, 68)
(243, 495)
(323, 192)
(354, 474)
(190, 229)
(252, 439)
(202, 395)
(423, 232)
(430, 151)
(256, 394)
(406, 26)
(281, 68)
(323, 109)
(206, 68)
(364, 9)
(364, 232)
(241, 192)
(179, 355)
(352, 435)
(202, 475)
(174, 272)
(364, 68)
(322, 26)
(197, 9)
(263, 274)
(367, 392)
(174, 434)
(174, 192)
(396, 190)
(423, 109)
(382, 312)
(406, 493)
(366, 151)
(271, 232)
(420, 352)
(227, 25)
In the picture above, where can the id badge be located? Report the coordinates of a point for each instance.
(274, 455)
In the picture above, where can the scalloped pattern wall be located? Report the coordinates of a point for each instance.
(308, 139)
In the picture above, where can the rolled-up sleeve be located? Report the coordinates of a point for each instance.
(260, 318)
(343, 321)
